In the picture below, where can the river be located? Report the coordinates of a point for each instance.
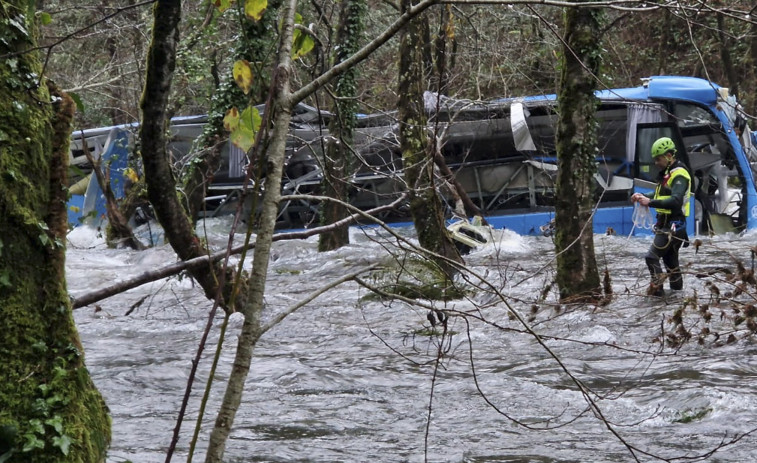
(349, 378)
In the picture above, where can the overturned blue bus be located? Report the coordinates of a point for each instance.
(501, 152)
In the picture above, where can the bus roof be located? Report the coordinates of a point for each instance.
(652, 88)
(667, 87)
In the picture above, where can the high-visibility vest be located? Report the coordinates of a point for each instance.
(663, 190)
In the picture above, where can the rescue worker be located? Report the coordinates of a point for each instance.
(671, 200)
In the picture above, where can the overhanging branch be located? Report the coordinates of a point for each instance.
(199, 262)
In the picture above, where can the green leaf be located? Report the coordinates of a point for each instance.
(41, 407)
(78, 101)
(37, 426)
(248, 124)
(243, 138)
(63, 443)
(251, 118)
(33, 442)
(231, 120)
(254, 9)
(40, 347)
(56, 422)
(44, 18)
(303, 44)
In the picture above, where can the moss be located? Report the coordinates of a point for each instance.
(687, 416)
(417, 278)
(45, 386)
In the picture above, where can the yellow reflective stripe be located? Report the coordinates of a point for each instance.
(686, 199)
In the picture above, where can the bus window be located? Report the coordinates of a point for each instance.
(689, 115)
(646, 135)
(719, 184)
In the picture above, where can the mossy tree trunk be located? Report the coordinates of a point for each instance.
(51, 410)
(417, 156)
(336, 163)
(577, 274)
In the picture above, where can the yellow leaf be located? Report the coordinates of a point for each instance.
(231, 120)
(243, 75)
(222, 5)
(131, 174)
(254, 9)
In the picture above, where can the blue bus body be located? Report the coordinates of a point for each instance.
(503, 154)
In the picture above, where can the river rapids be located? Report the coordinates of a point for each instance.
(354, 378)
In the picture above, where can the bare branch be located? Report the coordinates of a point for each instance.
(199, 262)
(350, 276)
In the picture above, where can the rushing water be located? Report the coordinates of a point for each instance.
(348, 379)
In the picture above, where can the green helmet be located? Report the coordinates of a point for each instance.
(662, 146)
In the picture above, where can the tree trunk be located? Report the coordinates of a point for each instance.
(252, 310)
(577, 275)
(118, 229)
(725, 56)
(417, 156)
(445, 34)
(51, 410)
(753, 54)
(161, 184)
(336, 163)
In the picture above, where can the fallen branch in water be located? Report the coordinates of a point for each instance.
(178, 267)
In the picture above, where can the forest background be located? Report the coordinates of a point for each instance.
(97, 51)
